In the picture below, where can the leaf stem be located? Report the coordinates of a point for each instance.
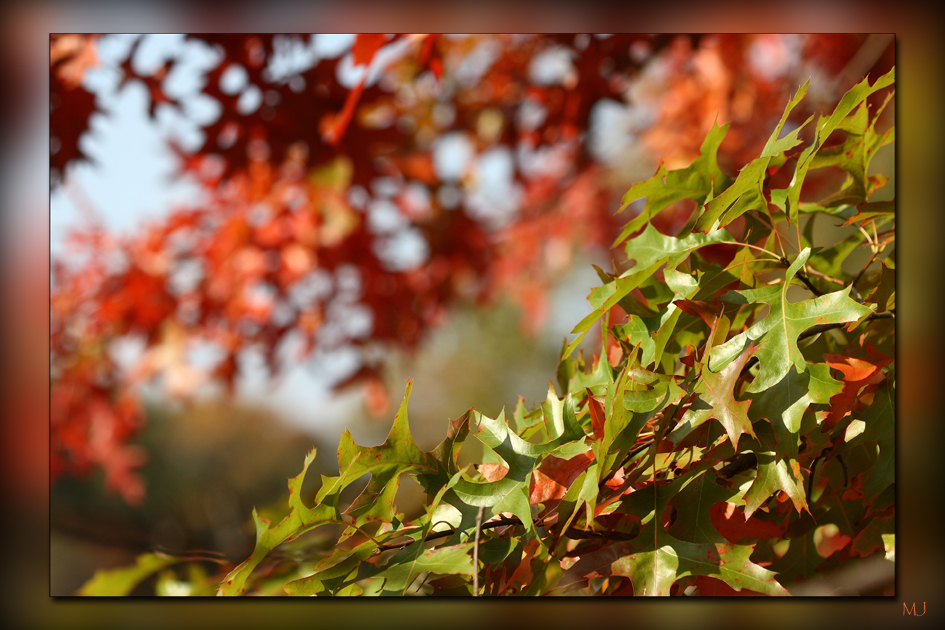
(476, 552)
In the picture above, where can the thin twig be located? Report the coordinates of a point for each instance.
(760, 249)
(802, 276)
(572, 533)
(810, 479)
(814, 272)
(763, 216)
(500, 522)
(846, 481)
(476, 552)
(865, 267)
(868, 239)
(582, 534)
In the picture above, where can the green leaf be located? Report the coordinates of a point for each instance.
(299, 520)
(854, 156)
(447, 452)
(651, 246)
(880, 419)
(800, 561)
(604, 298)
(693, 502)
(889, 542)
(652, 334)
(596, 380)
(884, 295)
(340, 569)
(696, 182)
(651, 250)
(453, 560)
(777, 333)
(783, 405)
(510, 494)
(655, 560)
(328, 579)
(774, 473)
(121, 581)
(747, 193)
(717, 390)
(825, 127)
(386, 463)
(649, 391)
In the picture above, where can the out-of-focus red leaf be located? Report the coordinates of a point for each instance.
(334, 126)
(729, 520)
(710, 587)
(366, 46)
(70, 104)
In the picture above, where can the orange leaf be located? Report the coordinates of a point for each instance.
(858, 374)
(492, 472)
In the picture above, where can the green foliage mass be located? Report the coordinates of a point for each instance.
(694, 455)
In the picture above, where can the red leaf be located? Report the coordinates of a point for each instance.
(523, 572)
(707, 311)
(597, 416)
(710, 587)
(729, 520)
(551, 480)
